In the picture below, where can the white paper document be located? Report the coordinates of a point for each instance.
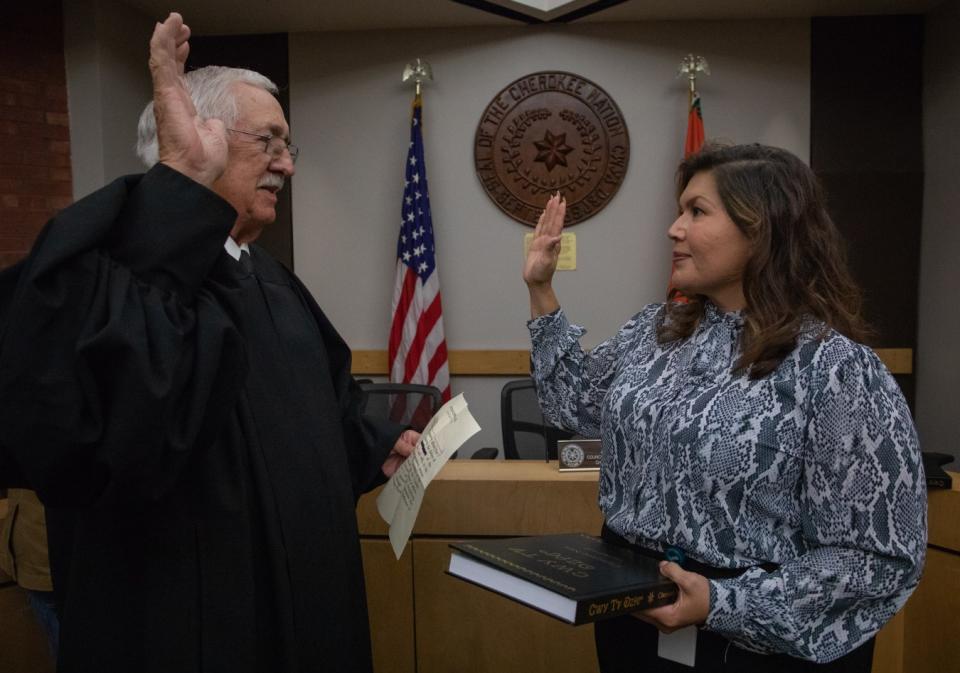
(679, 646)
(399, 501)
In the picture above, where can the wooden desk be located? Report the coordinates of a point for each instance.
(931, 619)
(472, 498)
(456, 626)
(424, 621)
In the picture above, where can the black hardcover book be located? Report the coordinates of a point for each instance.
(576, 578)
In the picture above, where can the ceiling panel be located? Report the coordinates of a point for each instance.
(272, 16)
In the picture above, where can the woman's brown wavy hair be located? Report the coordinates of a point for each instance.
(798, 266)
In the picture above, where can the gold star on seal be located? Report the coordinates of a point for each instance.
(552, 150)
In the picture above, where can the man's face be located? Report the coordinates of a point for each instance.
(252, 178)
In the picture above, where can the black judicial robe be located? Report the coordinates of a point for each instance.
(193, 430)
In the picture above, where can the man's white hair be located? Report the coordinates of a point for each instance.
(214, 96)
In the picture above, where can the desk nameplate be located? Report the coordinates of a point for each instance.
(578, 455)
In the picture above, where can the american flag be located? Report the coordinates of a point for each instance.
(417, 348)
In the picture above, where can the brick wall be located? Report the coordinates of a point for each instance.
(35, 176)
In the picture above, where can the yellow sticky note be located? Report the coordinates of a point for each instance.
(568, 250)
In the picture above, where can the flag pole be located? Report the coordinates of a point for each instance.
(417, 347)
(691, 66)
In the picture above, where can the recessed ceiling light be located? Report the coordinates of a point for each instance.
(540, 11)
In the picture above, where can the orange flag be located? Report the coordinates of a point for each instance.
(692, 145)
(694, 126)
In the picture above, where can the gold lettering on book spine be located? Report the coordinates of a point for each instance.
(627, 603)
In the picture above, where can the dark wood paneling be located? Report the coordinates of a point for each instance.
(268, 55)
(867, 148)
(866, 85)
(879, 213)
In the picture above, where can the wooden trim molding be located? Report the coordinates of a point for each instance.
(517, 362)
(897, 360)
(373, 363)
(462, 363)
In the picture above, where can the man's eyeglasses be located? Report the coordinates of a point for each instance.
(273, 145)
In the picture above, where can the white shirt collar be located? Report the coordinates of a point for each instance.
(233, 249)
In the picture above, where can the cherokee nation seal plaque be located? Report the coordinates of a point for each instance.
(548, 132)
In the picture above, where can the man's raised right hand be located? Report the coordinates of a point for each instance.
(193, 146)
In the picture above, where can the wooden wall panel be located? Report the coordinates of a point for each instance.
(389, 603)
(932, 626)
(461, 627)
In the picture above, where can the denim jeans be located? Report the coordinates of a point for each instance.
(43, 607)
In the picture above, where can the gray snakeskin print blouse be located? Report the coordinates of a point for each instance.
(815, 467)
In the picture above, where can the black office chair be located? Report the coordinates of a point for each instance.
(405, 403)
(525, 434)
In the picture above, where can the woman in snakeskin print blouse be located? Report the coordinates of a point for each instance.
(745, 430)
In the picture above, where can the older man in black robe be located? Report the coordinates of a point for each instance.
(186, 410)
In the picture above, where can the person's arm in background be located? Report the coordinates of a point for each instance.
(864, 518)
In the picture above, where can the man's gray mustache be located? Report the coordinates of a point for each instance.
(271, 181)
